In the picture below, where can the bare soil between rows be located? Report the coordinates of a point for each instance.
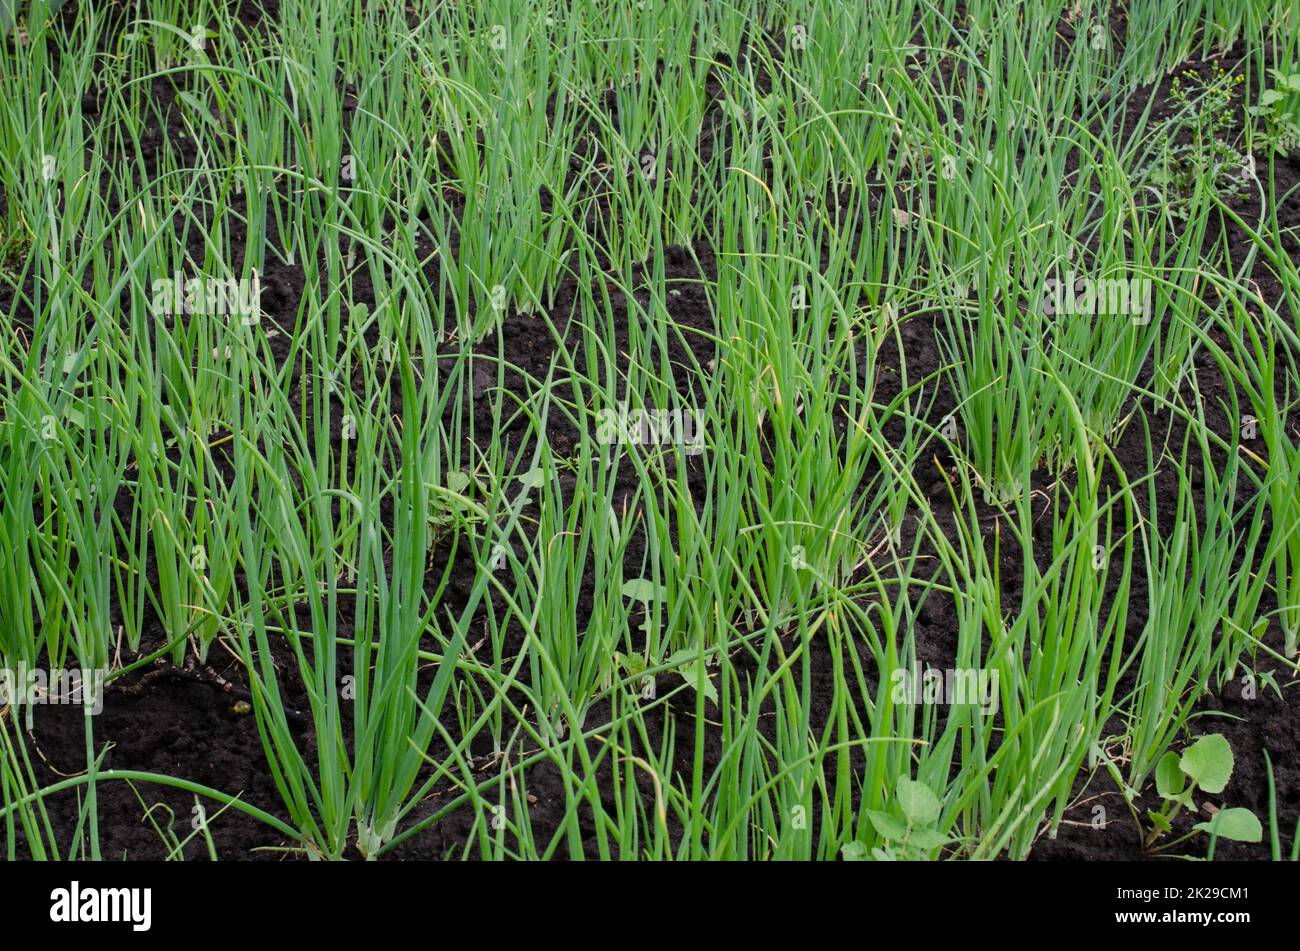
(194, 728)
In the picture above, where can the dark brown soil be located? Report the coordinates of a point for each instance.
(191, 727)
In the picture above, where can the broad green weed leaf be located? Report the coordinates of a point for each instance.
(1208, 762)
(887, 826)
(643, 590)
(919, 804)
(853, 852)
(1169, 777)
(1237, 824)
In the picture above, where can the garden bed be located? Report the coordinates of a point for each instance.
(630, 401)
